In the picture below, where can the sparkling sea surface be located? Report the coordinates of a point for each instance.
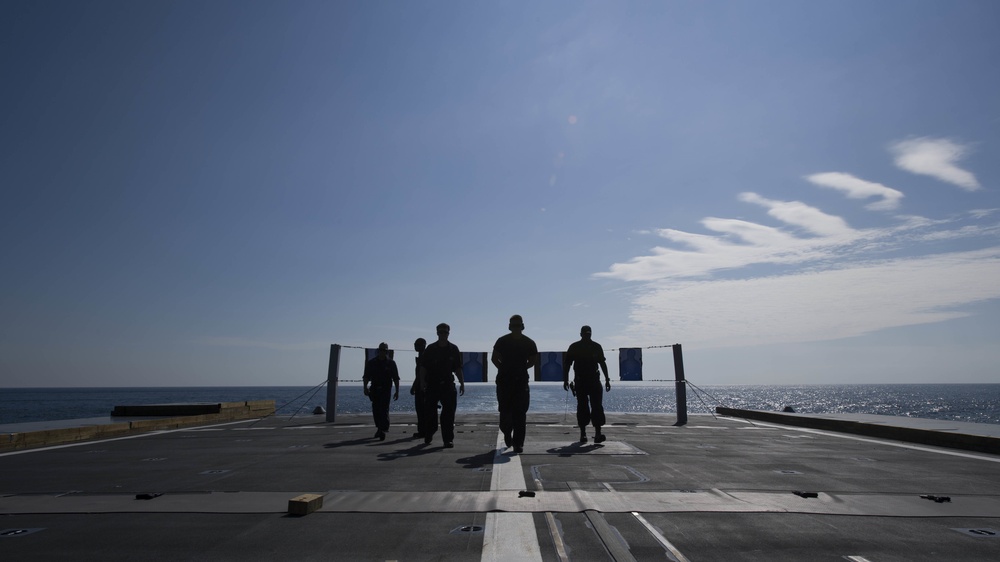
(979, 403)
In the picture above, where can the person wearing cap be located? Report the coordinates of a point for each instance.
(439, 361)
(586, 355)
(381, 373)
(513, 355)
(417, 388)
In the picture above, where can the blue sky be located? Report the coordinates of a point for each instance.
(212, 193)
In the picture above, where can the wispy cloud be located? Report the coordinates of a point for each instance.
(857, 188)
(935, 158)
(835, 281)
(739, 243)
(801, 215)
(814, 305)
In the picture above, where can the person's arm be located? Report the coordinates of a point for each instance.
(604, 367)
(496, 358)
(366, 378)
(567, 361)
(416, 376)
(458, 371)
(395, 380)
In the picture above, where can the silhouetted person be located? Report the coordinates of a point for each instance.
(586, 356)
(437, 363)
(513, 355)
(382, 373)
(417, 388)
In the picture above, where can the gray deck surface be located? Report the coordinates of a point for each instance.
(717, 489)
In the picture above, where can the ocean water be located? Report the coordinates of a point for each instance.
(978, 403)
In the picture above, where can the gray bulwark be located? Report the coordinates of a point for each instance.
(940, 433)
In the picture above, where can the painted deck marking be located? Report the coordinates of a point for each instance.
(509, 536)
(660, 538)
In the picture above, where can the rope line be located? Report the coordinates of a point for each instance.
(407, 350)
(717, 401)
(306, 401)
(698, 396)
(698, 393)
(314, 390)
(703, 391)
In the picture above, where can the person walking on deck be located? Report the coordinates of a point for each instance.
(440, 363)
(513, 355)
(381, 373)
(586, 355)
(417, 388)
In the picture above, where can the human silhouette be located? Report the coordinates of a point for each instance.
(439, 361)
(417, 390)
(513, 354)
(586, 355)
(381, 373)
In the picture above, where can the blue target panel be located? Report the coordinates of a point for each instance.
(630, 364)
(474, 366)
(550, 366)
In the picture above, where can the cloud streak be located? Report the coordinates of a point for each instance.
(850, 300)
(935, 158)
(835, 281)
(856, 188)
(740, 243)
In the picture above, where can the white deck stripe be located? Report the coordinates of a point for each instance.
(550, 521)
(509, 536)
(556, 537)
(660, 538)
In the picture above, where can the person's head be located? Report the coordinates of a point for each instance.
(516, 323)
(420, 345)
(383, 350)
(442, 331)
(585, 332)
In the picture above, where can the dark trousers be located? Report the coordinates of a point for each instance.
(513, 401)
(418, 404)
(589, 403)
(445, 394)
(380, 405)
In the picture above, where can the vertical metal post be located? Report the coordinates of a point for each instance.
(680, 387)
(332, 376)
